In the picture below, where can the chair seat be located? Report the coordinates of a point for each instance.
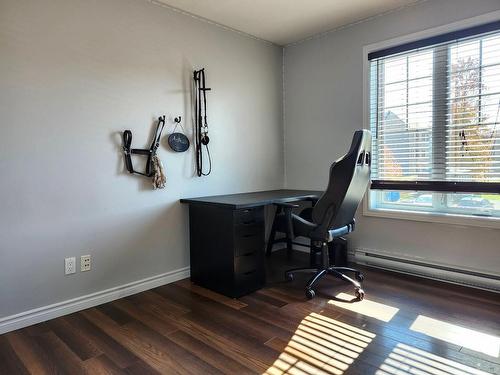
(303, 227)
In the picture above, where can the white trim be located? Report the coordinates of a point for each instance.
(55, 310)
(421, 216)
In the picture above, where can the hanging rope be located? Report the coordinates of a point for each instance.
(159, 178)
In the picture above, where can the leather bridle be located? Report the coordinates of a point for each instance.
(201, 125)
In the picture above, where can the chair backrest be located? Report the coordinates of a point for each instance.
(349, 177)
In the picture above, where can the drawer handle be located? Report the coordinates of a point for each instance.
(248, 235)
(249, 254)
(249, 272)
(248, 222)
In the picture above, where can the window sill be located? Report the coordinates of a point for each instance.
(430, 217)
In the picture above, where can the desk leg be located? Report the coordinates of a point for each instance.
(272, 235)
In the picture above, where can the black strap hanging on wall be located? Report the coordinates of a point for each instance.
(150, 153)
(201, 124)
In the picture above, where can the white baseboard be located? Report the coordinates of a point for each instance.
(41, 314)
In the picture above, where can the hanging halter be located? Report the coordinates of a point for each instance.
(150, 153)
(201, 126)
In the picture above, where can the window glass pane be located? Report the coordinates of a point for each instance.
(472, 133)
(488, 151)
(408, 198)
(464, 55)
(420, 90)
(395, 94)
(420, 65)
(464, 112)
(464, 82)
(404, 134)
(490, 112)
(389, 165)
(439, 203)
(491, 50)
(402, 200)
(395, 119)
(490, 79)
(477, 204)
(420, 116)
(395, 70)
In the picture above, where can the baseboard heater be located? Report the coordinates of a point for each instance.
(455, 275)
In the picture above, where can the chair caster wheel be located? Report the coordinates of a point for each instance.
(289, 276)
(360, 294)
(359, 277)
(310, 293)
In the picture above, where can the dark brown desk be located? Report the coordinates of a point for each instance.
(227, 238)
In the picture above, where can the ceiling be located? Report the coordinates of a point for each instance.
(285, 21)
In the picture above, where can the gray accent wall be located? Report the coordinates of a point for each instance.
(324, 106)
(73, 75)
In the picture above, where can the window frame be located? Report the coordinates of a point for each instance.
(426, 216)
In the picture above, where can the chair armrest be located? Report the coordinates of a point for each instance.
(313, 200)
(337, 232)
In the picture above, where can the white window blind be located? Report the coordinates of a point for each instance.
(435, 112)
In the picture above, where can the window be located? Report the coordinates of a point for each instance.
(434, 115)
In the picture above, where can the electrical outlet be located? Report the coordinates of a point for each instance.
(69, 265)
(85, 263)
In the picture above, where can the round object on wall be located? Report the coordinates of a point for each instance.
(178, 142)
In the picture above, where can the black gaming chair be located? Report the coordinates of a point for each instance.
(332, 216)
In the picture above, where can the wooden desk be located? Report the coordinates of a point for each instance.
(227, 238)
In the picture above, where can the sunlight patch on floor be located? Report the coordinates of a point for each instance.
(321, 345)
(454, 334)
(366, 307)
(407, 360)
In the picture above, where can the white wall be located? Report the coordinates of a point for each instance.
(323, 107)
(73, 75)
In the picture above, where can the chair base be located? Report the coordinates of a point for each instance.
(326, 269)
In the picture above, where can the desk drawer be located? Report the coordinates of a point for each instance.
(248, 239)
(248, 282)
(249, 230)
(248, 216)
(248, 262)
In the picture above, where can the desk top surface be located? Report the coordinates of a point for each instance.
(254, 199)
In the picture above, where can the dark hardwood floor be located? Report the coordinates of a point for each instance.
(405, 325)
